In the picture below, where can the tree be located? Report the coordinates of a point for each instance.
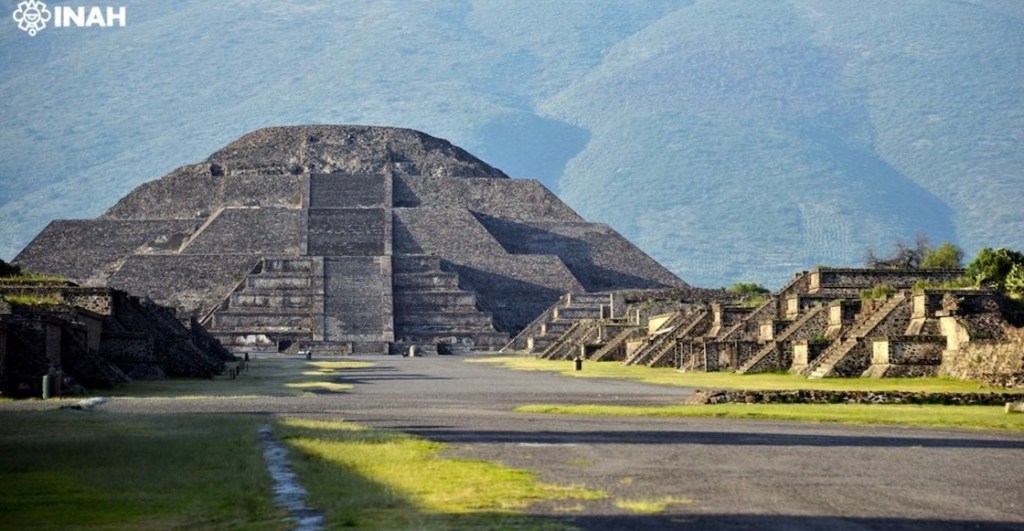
(748, 288)
(1015, 282)
(991, 267)
(904, 256)
(945, 256)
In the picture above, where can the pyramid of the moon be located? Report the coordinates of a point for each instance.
(358, 236)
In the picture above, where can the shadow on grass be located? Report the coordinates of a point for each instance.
(263, 377)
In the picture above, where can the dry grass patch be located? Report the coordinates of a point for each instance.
(654, 506)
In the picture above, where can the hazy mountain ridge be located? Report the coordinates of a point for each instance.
(732, 141)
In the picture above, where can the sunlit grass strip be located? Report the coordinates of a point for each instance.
(730, 380)
(92, 470)
(654, 506)
(933, 416)
(388, 480)
(265, 377)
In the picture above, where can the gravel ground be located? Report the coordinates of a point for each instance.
(735, 474)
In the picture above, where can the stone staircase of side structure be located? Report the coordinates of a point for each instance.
(431, 312)
(615, 348)
(700, 324)
(554, 322)
(660, 337)
(582, 332)
(279, 302)
(664, 340)
(771, 357)
(849, 356)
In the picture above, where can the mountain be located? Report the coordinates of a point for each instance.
(732, 141)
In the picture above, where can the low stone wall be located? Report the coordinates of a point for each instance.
(995, 363)
(851, 397)
(828, 278)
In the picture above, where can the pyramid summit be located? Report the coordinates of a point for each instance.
(356, 236)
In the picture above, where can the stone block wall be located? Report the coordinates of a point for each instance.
(999, 363)
(908, 355)
(97, 245)
(357, 299)
(349, 232)
(825, 279)
(186, 282)
(267, 230)
(806, 351)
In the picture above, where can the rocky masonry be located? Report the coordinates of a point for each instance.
(346, 239)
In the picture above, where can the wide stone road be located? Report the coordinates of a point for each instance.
(737, 474)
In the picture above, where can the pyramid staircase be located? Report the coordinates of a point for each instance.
(771, 356)
(551, 325)
(660, 346)
(431, 312)
(847, 356)
(278, 302)
(615, 348)
(581, 332)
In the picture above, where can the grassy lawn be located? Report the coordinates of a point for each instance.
(66, 469)
(265, 377)
(729, 380)
(389, 480)
(932, 416)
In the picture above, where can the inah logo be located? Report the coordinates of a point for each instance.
(31, 16)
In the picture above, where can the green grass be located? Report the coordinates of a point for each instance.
(932, 416)
(729, 380)
(89, 470)
(265, 377)
(32, 300)
(388, 480)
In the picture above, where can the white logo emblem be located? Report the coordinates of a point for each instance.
(32, 16)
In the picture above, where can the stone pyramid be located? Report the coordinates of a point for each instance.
(346, 237)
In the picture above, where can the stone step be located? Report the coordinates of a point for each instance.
(415, 264)
(556, 327)
(270, 282)
(465, 339)
(423, 281)
(589, 299)
(456, 320)
(411, 298)
(229, 320)
(239, 340)
(287, 265)
(269, 299)
(577, 313)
